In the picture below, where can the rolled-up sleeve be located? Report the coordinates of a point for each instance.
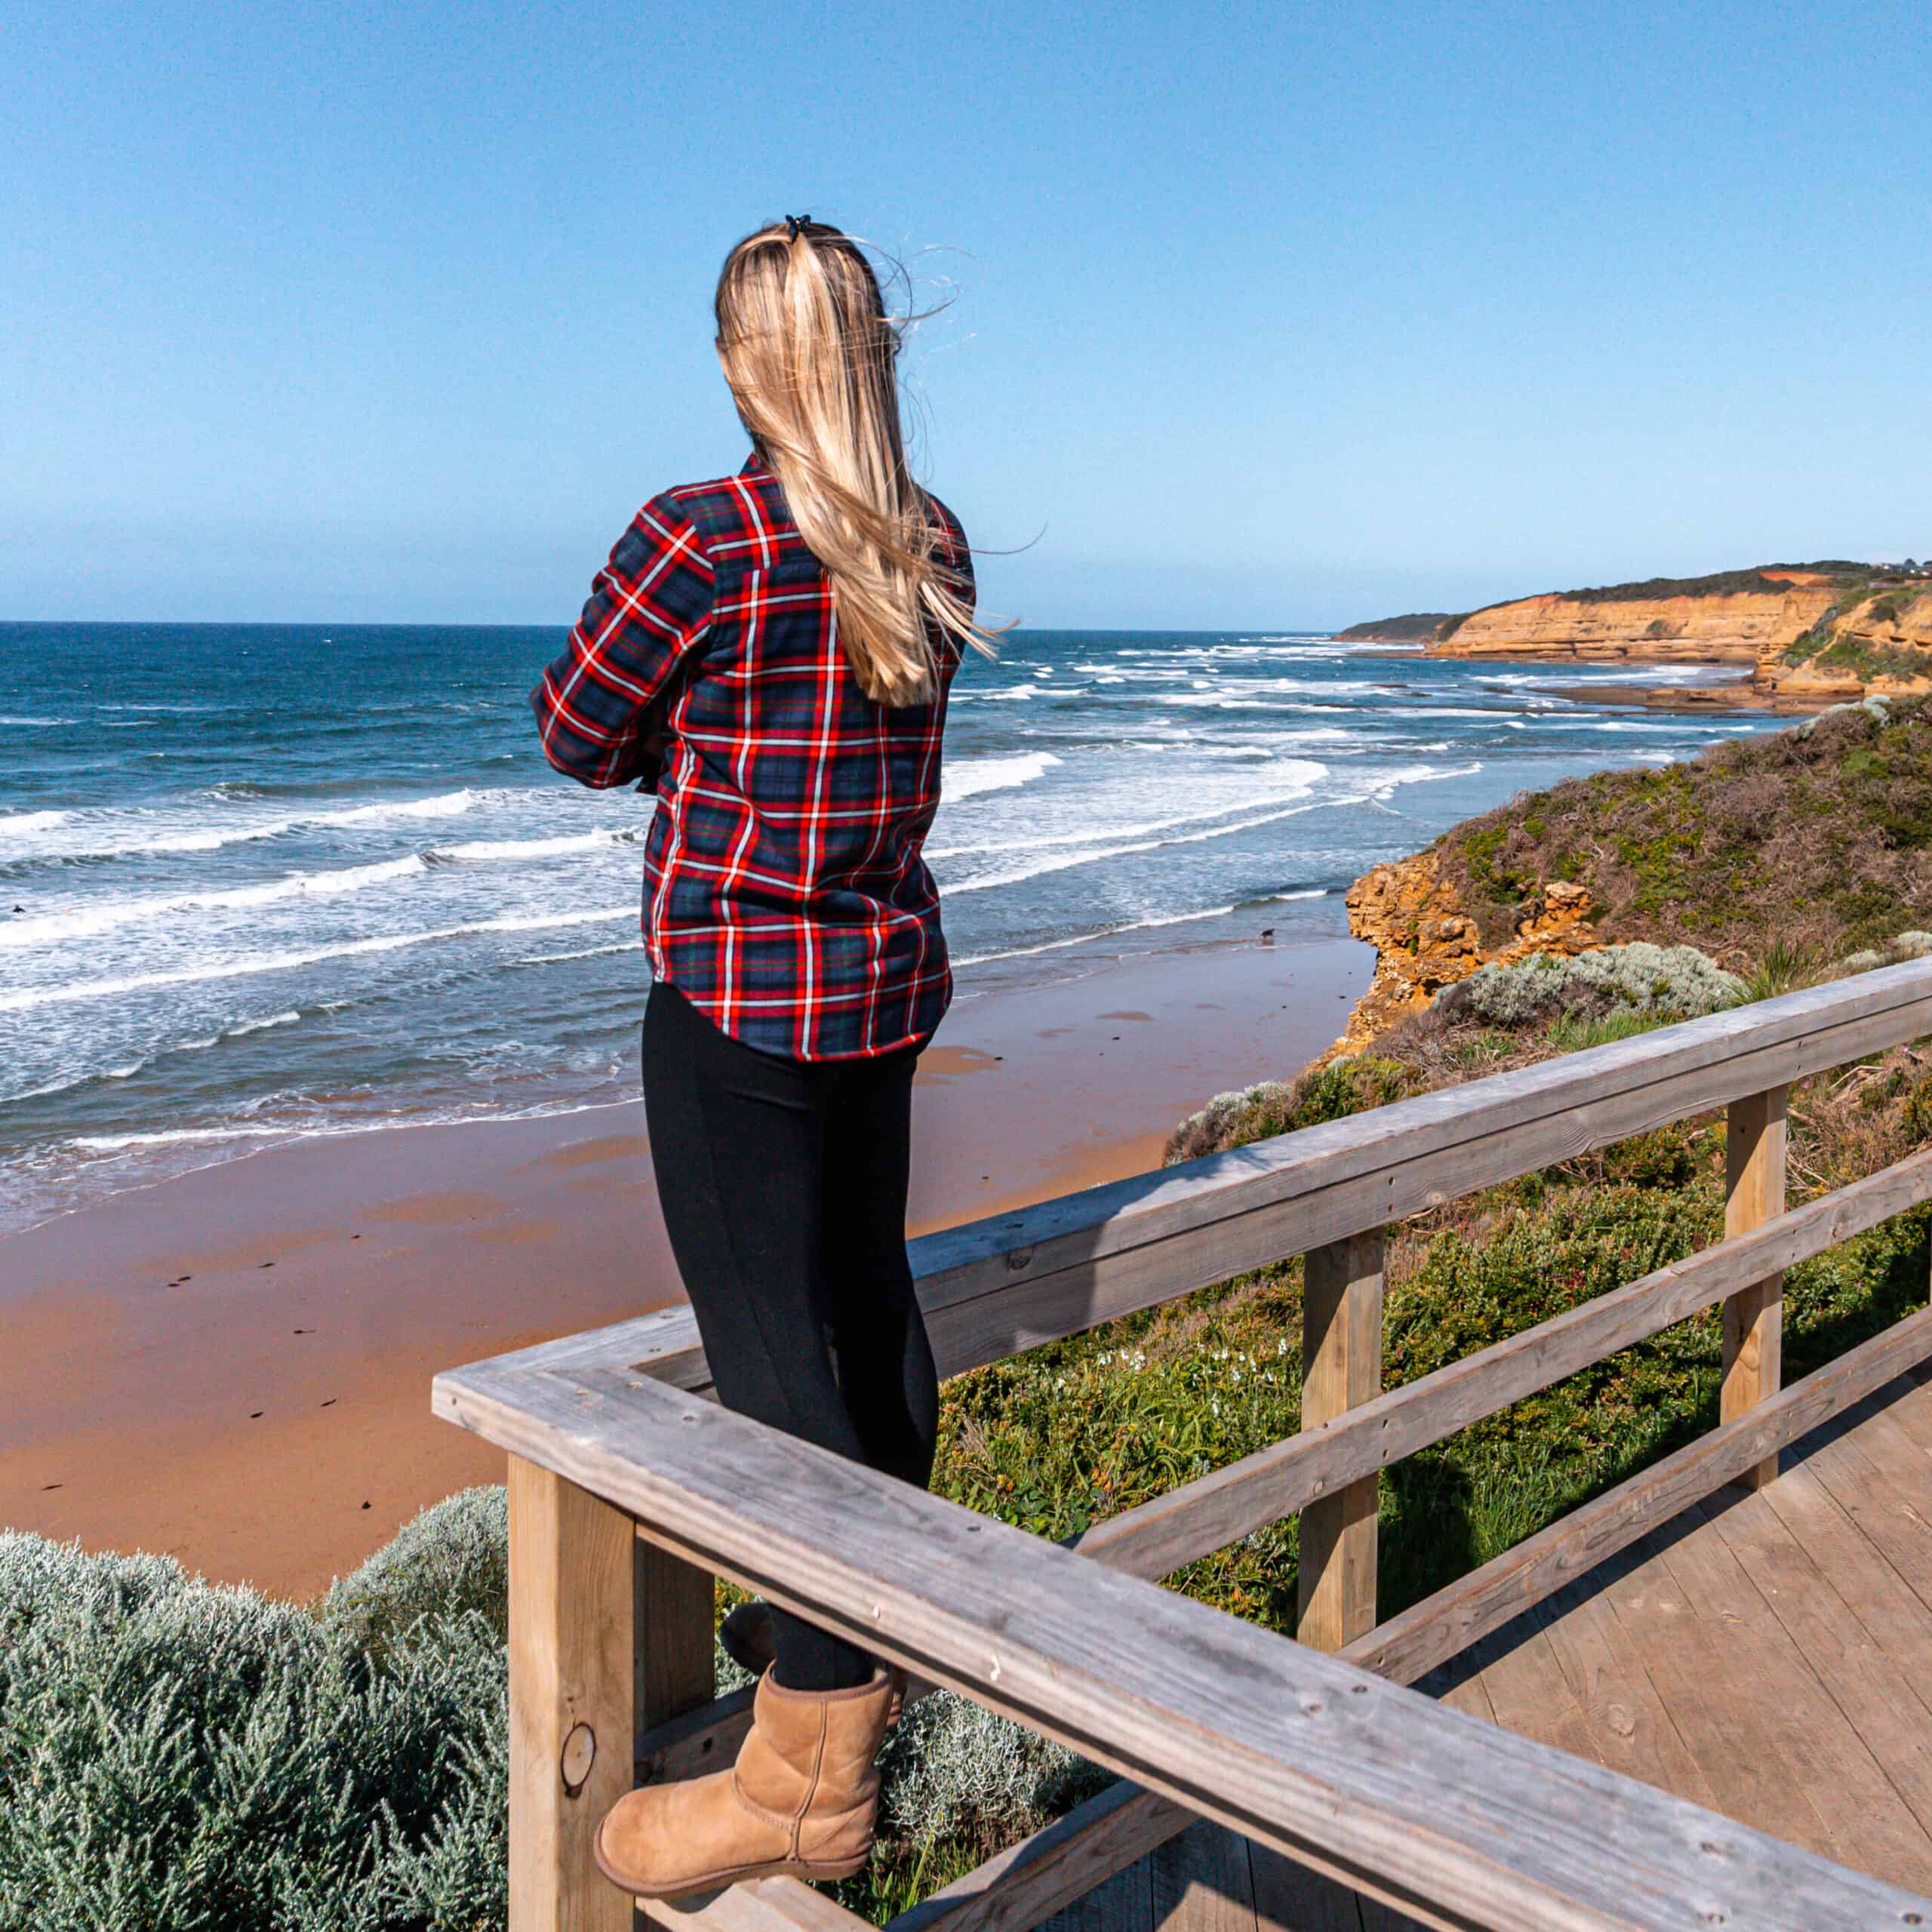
(649, 609)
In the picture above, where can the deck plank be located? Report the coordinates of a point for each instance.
(1123, 1903)
(1872, 1829)
(1202, 1883)
(1715, 1708)
(1629, 1720)
(1289, 1897)
(1875, 1699)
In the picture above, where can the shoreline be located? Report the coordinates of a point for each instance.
(231, 1366)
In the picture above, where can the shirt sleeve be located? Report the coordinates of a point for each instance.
(649, 608)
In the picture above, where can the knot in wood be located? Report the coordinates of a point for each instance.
(579, 1754)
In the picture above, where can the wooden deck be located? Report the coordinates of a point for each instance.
(1768, 1655)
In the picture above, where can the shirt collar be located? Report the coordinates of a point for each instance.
(755, 465)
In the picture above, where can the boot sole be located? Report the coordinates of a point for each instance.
(736, 1874)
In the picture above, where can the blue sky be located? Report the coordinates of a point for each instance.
(1278, 316)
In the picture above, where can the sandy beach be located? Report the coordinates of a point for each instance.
(232, 1366)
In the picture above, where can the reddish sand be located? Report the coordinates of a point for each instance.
(233, 1366)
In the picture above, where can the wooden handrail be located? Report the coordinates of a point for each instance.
(1455, 1821)
(1215, 1510)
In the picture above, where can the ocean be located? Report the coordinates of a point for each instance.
(261, 882)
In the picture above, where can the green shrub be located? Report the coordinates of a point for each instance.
(454, 1557)
(173, 1754)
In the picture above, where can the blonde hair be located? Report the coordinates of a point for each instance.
(811, 356)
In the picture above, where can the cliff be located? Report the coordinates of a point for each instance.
(1810, 633)
(1427, 938)
(1417, 627)
(1740, 627)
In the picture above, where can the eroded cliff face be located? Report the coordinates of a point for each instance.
(1742, 627)
(1886, 633)
(1425, 940)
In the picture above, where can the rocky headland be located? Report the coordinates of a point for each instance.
(1801, 635)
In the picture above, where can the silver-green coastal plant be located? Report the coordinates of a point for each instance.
(1639, 977)
(1905, 945)
(1224, 1110)
(183, 1758)
(174, 1755)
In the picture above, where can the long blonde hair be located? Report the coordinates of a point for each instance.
(810, 355)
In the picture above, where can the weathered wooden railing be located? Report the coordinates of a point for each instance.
(628, 1491)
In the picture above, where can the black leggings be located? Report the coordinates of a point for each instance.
(784, 1187)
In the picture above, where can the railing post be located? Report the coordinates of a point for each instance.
(1754, 1317)
(673, 1616)
(1341, 1330)
(606, 1635)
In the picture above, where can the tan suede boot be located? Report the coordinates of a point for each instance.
(750, 1642)
(800, 1801)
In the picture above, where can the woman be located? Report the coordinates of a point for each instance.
(786, 637)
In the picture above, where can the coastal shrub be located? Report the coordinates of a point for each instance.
(1330, 1091)
(953, 1769)
(1676, 980)
(1820, 836)
(453, 1557)
(175, 1755)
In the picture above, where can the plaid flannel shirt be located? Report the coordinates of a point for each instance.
(784, 893)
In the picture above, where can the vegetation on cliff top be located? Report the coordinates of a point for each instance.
(1815, 840)
(1414, 627)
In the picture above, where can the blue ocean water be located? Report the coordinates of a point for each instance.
(262, 881)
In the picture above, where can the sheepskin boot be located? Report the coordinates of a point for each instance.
(800, 1802)
(750, 1642)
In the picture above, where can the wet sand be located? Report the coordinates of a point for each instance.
(1738, 694)
(232, 1367)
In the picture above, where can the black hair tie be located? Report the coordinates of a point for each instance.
(794, 223)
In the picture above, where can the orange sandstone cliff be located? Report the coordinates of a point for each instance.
(1743, 627)
(1425, 940)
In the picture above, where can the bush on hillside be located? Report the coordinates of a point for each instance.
(176, 1755)
(1676, 981)
(1329, 1092)
(453, 1557)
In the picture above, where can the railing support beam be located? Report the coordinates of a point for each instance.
(571, 1717)
(1341, 1327)
(1754, 1317)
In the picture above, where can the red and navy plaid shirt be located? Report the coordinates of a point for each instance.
(784, 893)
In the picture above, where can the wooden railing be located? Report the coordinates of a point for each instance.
(629, 1491)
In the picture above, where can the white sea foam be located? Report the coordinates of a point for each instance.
(1063, 861)
(90, 921)
(1301, 776)
(967, 778)
(482, 850)
(246, 1026)
(249, 964)
(581, 953)
(12, 824)
(117, 835)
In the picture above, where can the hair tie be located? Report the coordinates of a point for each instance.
(793, 224)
